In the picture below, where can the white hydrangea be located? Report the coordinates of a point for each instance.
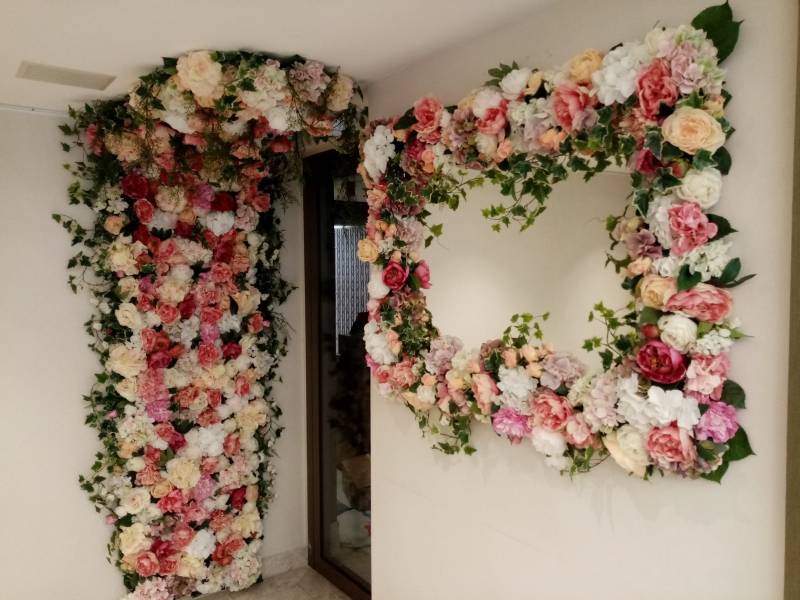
(517, 387)
(713, 343)
(615, 81)
(378, 149)
(709, 260)
(660, 407)
(658, 219)
(202, 544)
(377, 344)
(205, 441)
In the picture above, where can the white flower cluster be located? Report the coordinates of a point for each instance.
(378, 149)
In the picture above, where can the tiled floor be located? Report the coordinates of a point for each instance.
(298, 584)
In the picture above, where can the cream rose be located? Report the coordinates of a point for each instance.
(133, 539)
(247, 301)
(127, 389)
(655, 291)
(692, 130)
(191, 567)
(128, 362)
(247, 524)
(171, 199)
(172, 290)
(584, 64)
(183, 473)
(251, 417)
(127, 288)
(121, 258)
(199, 73)
(678, 331)
(341, 93)
(703, 187)
(367, 250)
(133, 501)
(128, 316)
(114, 224)
(626, 447)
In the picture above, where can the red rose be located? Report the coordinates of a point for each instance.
(220, 520)
(256, 323)
(237, 497)
(208, 417)
(223, 553)
(242, 386)
(661, 363)
(220, 273)
(201, 196)
(261, 202)
(159, 360)
(214, 397)
(656, 87)
(395, 275)
(428, 113)
(168, 565)
(187, 396)
(135, 186)
(573, 106)
(231, 350)
(281, 145)
(208, 354)
(187, 306)
(140, 234)
(151, 455)
(644, 161)
(144, 210)
(223, 201)
(423, 274)
(146, 564)
(163, 548)
(210, 315)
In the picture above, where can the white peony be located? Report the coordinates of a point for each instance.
(626, 446)
(377, 344)
(485, 99)
(678, 331)
(378, 149)
(202, 544)
(549, 443)
(615, 80)
(126, 361)
(271, 88)
(205, 441)
(517, 387)
(515, 83)
(376, 288)
(703, 187)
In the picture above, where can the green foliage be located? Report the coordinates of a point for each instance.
(722, 30)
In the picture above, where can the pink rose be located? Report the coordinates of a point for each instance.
(494, 121)
(146, 564)
(718, 423)
(572, 105)
(703, 302)
(428, 113)
(656, 87)
(201, 196)
(690, 227)
(706, 374)
(661, 363)
(208, 354)
(144, 210)
(395, 275)
(485, 390)
(671, 448)
(550, 410)
(423, 274)
(511, 424)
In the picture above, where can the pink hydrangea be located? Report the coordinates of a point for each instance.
(690, 227)
(706, 374)
(510, 423)
(561, 367)
(718, 423)
(441, 353)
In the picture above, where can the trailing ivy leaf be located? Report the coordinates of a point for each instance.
(686, 279)
(723, 159)
(649, 315)
(731, 271)
(723, 226)
(718, 473)
(703, 160)
(733, 394)
(722, 30)
(739, 446)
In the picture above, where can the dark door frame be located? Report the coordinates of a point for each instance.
(318, 187)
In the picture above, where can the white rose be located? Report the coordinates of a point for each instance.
(703, 187)
(626, 447)
(515, 83)
(251, 417)
(376, 288)
(199, 73)
(486, 99)
(128, 288)
(128, 362)
(133, 501)
(172, 290)
(678, 331)
(133, 539)
(121, 258)
(128, 316)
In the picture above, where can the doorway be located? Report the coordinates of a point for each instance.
(338, 380)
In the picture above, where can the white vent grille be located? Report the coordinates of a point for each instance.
(63, 76)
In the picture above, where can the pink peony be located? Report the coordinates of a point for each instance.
(718, 423)
(573, 106)
(423, 274)
(395, 275)
(655, 88)
(690, 227)
(706, 374)
(661, 363)
(428, 113)
(511, 424)
(494, 121)
(671, 448)
(550, 410)
(703, 302)
(485, 391)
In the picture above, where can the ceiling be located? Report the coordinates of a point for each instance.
(369, 39)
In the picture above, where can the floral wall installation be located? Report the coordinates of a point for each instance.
(182, 264)
(663, 401)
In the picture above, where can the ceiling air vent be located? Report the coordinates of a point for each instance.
(63, 76)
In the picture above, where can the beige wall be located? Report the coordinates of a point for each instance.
(53, 543)
(501, 524)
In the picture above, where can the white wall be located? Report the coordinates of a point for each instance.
(53, 543)
(502, 525)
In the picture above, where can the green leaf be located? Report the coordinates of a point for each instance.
(649, 315)
(723, 159)
(723, 226)
(731, 271)
(733, 394)
(718, 473)
(722, 30)
(686, 279)
(739, 446)
(406, 121)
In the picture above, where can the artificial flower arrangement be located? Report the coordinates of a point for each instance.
(663, 401)
(182, 260)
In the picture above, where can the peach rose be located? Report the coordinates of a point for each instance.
(655, 291)
(584, 64)
(367, 251)
(692, 130)
(114, 224)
